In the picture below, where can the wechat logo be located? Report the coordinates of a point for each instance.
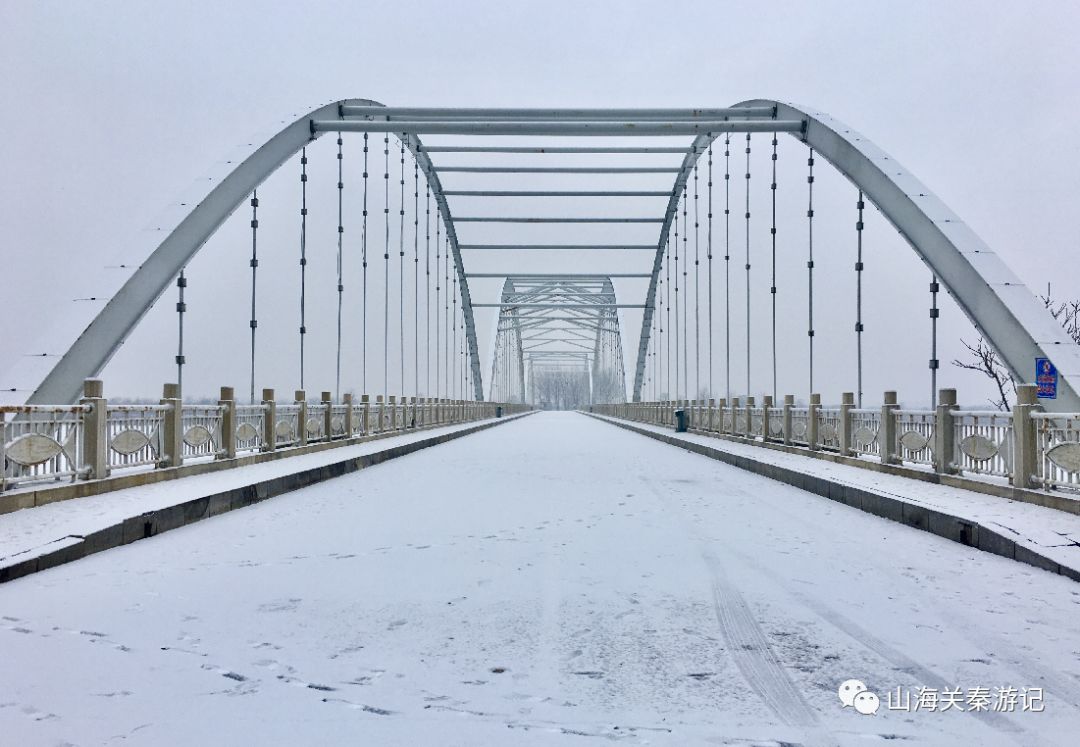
(853, 694)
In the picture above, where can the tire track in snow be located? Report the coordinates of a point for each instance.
(749, 648)
(899, 659)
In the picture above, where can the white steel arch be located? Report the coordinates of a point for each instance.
(1001, 307)
(96, 345)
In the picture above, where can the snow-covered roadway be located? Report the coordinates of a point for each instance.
(552, 580)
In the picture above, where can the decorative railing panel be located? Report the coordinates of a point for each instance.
(800, 426)
(828, 423)
(134, 435)
(200, 430)
(1057, 448)
(250, 425)
(40, 443)
(982, 442)
(915, 436)
(866, 432)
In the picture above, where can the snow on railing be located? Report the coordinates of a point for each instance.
(1057, 446)
(915, 436)
(866, 432)
(250, 427)
(982, 442)
(41, 443)
(1027, 447)
(134, 435)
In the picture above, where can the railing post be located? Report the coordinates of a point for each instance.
(887, 429)
(847, 404)
(347, 401)
(735, 416)
(172, 429)
(944, 432)
(789, 402)
(365, 414)
(227, 447)
(812, 421)
(380, 414)
(328, 412)
(95, 443)
(269, 420)
(712, 415)
(1025, 454)
(749, 417)
(301, 418)
(721, 407)
(766, 404)
(393, 412)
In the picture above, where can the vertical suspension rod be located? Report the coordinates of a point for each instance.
(254, 266)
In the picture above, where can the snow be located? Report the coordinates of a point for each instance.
(1048, 531)
(32, 531)
(554, 580)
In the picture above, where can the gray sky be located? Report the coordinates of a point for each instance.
(113, 109)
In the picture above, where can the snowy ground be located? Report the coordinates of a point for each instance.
(554, 580)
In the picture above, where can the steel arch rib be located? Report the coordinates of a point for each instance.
(96, 345)
(1001, 307)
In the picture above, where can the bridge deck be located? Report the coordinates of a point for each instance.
(550, 579)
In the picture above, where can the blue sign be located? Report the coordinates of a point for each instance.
(1046, 378)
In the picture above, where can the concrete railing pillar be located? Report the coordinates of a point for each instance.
(300, 400)
(887, 430)
(380, 414)
(172, 429)
(944, 432)
(789, 403)
(328, 416)
(365, 414)
(766, 405)
(392, 405)
(735, 416)
(749, 408)
(1025, 453)
(711, 418)
(847, 404)
(812, 421)
(95, 445)
(227, 447)
(269, 434)
(349, 421)
(721, 408)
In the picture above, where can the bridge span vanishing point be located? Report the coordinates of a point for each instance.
(695, 556)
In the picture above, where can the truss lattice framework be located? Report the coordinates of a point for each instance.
(998, 304)
(558, 320)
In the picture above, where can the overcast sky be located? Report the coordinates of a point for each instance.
(113, 109)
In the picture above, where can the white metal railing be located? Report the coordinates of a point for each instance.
(1025, 446)
(800, 426)
(134, 435)
(315, 423)
(338, 415)
(776, 424)
(866, 432)
(250, 427)
(982, 442)
(828, 428)
(287, 425)
(201, 430)
(1057, 448)
(915, 436)
(40, 443)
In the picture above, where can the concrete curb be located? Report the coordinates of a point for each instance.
(160, 520)
(881, 504)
